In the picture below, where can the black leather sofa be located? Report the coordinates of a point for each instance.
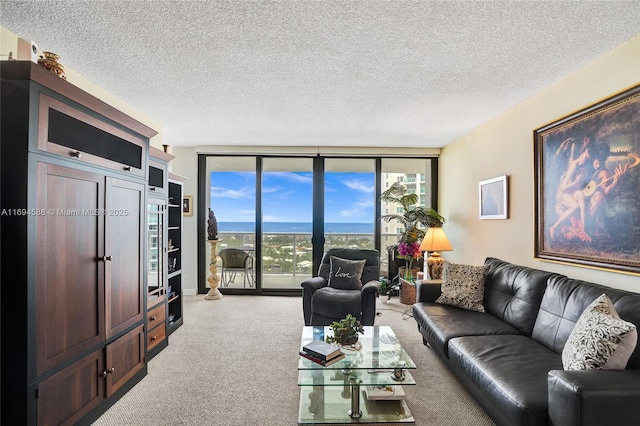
(509, 357)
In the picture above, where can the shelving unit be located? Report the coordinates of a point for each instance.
(174, 252)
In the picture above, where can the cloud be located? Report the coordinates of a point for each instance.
(359, 185)
(305, 178)
(268, 190)
(240, 194)
(354, 212)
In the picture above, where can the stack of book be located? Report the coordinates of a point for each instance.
(321, 352)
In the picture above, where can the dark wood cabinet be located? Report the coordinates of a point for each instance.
(174, 232)
(157, 252)
(73, 201)
(69, 302)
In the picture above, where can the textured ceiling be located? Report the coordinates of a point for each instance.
(322, 73)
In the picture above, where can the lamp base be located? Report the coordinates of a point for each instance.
(435, 263)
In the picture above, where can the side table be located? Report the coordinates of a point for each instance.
(408, 294)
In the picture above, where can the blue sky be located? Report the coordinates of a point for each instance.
(287, 196)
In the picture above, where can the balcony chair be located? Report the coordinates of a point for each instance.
(233, 261)
(330, 297)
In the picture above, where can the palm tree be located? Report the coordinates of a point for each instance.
(413, 216)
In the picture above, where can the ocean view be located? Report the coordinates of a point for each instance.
(296, 227)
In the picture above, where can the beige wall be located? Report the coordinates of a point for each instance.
(504, 146)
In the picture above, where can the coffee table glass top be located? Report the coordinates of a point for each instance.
(337, 394)
(381, 350)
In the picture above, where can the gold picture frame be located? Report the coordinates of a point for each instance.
(587, 174)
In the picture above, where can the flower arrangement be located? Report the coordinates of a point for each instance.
(409, 251)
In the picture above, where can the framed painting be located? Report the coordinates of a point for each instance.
(587, 175)
(493, 198)
(187, 205)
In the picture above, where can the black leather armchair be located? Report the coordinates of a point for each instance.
(323, 304)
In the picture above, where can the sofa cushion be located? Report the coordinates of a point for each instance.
(600, 339)
(345, 274)
(513, 293)
(463, 286)
(440, 323)
(510, 370)
(564, 301)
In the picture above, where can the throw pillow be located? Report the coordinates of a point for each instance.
(345, 274)
(600, 339)
(463, 286)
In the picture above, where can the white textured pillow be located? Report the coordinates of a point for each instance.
(463, 286)
(600, 339)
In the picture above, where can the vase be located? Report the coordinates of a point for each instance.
(408, 272)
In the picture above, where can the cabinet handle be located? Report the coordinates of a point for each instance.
(111, 370)
(127, 168)
(152, 319)
(76, 154)
(153, 338)
(152, 188)
(103, 374)
(107, 258)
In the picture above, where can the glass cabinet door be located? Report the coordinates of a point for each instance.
(155, 249)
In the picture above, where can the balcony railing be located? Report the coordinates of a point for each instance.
(289, 253)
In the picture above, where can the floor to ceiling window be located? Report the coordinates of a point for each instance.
(284, 212)
(231, 183)
(417, 176)
(349, 203)
(287, 216)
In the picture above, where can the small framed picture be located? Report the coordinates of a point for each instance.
(493, 198)
(187, 205)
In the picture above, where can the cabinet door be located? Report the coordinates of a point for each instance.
(70, 394)
(125, 357)
(70, 282)
(124, 220)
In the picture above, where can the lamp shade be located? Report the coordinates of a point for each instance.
(435, 240)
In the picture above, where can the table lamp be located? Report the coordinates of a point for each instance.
(435, 240)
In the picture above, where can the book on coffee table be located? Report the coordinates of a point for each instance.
(322, 350)
(323, 362)
(390, 393)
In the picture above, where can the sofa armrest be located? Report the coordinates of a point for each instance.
(427, 292)
(594, 397)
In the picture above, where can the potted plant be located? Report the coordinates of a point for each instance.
(345, 331)
(415, 219)
(413, 216)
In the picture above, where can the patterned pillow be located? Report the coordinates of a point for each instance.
(600, 339)
(463, 286)
(345, 274)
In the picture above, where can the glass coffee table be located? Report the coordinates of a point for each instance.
(338, 393)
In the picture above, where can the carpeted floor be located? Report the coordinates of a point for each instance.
(234, 363)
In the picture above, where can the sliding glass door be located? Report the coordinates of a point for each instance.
(287, 216)
(349, 203)
(232, 198)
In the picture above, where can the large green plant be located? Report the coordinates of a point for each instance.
(416, 219)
